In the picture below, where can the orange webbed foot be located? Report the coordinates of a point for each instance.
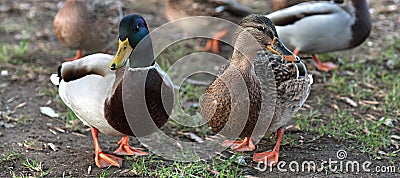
(101, 159)
(105, 160)
(323, 66)
(126, 149)
(269, 158)
(326, 66)
(241, 145)
(212, 45)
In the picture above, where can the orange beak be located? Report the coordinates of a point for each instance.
(280, 49)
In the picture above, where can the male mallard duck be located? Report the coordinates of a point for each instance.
(93, 88)
(291, 80)
(87, 25)
(225, 9)
(319, 27)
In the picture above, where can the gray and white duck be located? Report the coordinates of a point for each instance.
(320, 27)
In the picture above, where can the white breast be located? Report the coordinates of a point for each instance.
(86, 96)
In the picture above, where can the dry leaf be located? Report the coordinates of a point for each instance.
(387, 121)
(395, 137)
(52, 146)
(4, 73)
(366, 102)
(349, 101)
(370, 117)
(20, 105)
(89, 170)
(48, 112)
(334, 106)
(194, 137)
(59, 129)
(78, 134)
(53, 132)
(214, 172)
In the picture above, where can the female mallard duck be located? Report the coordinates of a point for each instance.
(87, 25)
(319, 27)
(292, 83)
(225, 9)
(101, 96)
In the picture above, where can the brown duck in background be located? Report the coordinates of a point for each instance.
(90, 25)
(291, 80)
(225, 9)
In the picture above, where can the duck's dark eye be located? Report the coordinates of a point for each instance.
(124, 47)
(261, 28)
(136, 29)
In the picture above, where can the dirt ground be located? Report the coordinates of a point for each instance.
(27, 135)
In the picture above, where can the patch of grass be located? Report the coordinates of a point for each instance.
(105, 173)
(14, 25)
(14, 53)
(154, 166)
(48, 91)
(173, 53)
(304, 122)
(72, 121)
(9, 157)
(36, 167)
(371, 136)
(362, 81)
(391, 93)
(189, 97)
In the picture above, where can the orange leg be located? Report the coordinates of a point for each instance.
(242, 145)
(126, 149)
(77, 56)
(270, 158)
(212, 44)
(103, 160)
(323, 66)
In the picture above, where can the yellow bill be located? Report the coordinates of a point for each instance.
(122, 56)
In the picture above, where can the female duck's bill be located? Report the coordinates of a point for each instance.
(279, 48)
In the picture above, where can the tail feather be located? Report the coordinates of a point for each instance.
(56, 78)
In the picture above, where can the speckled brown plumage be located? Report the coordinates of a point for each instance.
(292, 85)
(218, 96)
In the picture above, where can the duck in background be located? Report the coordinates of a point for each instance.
(320, 27)
(90, 25)
(280, 4)
(291, 82)
(225, 9)
(92, 87)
